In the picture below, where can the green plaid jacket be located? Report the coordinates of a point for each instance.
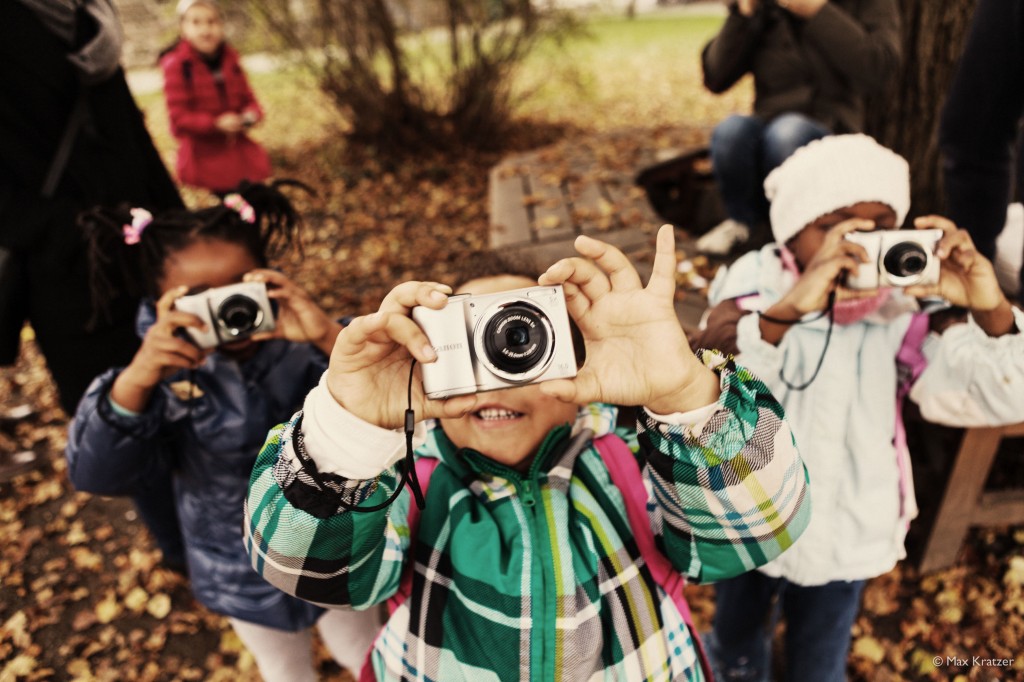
(535, 576)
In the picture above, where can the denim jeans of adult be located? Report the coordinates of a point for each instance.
(817, 620)
(744, 149)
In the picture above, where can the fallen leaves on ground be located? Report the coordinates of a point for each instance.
(85, 598)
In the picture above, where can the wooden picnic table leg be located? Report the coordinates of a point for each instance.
(963, 491)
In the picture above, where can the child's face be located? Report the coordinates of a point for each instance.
(808, 240)
(203, 28)
(508, 425)
(207, 264)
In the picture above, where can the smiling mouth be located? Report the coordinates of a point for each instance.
(489, 414)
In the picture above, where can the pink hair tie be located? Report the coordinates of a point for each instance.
(141, 218)
(235, 202)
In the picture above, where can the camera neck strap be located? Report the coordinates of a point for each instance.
(830, 312)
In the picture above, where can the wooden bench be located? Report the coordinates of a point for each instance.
(965, 503)
(540, 201)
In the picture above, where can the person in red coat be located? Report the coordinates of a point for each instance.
(211, 104)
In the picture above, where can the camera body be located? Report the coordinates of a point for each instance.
(896, 258)
(231, 313)
(489, 342)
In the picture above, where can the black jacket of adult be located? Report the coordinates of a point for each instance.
(822, 67)
(112, 160)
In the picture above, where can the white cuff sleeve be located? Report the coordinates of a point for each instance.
(693, 420)
(343, 444)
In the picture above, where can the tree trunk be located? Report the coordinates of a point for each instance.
(907, 118)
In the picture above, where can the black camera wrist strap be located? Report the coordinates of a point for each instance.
(407, 466)
(830, 312)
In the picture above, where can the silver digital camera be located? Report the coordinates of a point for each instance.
(231, 313)
(493, 341)
(896, 258)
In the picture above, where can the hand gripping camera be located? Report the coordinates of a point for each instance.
(231, 313)
(494, 341)
(896, 258)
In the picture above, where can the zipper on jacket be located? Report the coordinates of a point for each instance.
(527, 491)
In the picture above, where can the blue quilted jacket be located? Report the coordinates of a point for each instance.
(205, 429)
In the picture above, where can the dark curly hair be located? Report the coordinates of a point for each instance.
(138, 267)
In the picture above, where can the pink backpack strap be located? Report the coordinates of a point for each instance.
(424, 469)
(626, 476)
(911, 361)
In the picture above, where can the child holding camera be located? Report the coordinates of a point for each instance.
(827, 316)
(198, 398)
(523, 563)
(210, 104)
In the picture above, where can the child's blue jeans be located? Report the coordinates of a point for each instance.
(744, 149)
(818, 621)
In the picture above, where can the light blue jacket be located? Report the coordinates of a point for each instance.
(845, 422)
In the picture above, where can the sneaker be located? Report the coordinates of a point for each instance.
(16, 463)
(723, 237)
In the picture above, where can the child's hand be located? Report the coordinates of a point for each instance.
(229, 123)
(747, 7)
(637, 353)
(369, 370)
(835, 257)
(805, 9)
(164, 351)
(299, 319)
(966, 277)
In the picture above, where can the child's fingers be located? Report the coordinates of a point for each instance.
(179, 361)
(581, 390)
(269, 276)
(612, 262)
(663, 274)
(175, 319)
(408, 295)
(166, 302)
(395, 326)
(839, 231)
(841, 264)
(173, 353)
(934, 221)
(584, 274)
(576, 303)
(180, 346)
(854, 250)
(956, 242)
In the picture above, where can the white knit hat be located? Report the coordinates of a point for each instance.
(832, 173)
(186, 5)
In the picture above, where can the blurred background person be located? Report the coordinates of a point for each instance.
(813, 63)
(71, 137)
(980, 129)
(210, 104)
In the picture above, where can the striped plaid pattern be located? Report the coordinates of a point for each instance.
(535, 575)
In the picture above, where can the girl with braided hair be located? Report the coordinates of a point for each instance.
(199, 415)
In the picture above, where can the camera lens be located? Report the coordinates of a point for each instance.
(516, 340)
(905, 259)
(239, 315)
(517, 337)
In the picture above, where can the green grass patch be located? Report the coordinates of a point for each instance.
(614, 73)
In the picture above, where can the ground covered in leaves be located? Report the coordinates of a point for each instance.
(84, 595)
